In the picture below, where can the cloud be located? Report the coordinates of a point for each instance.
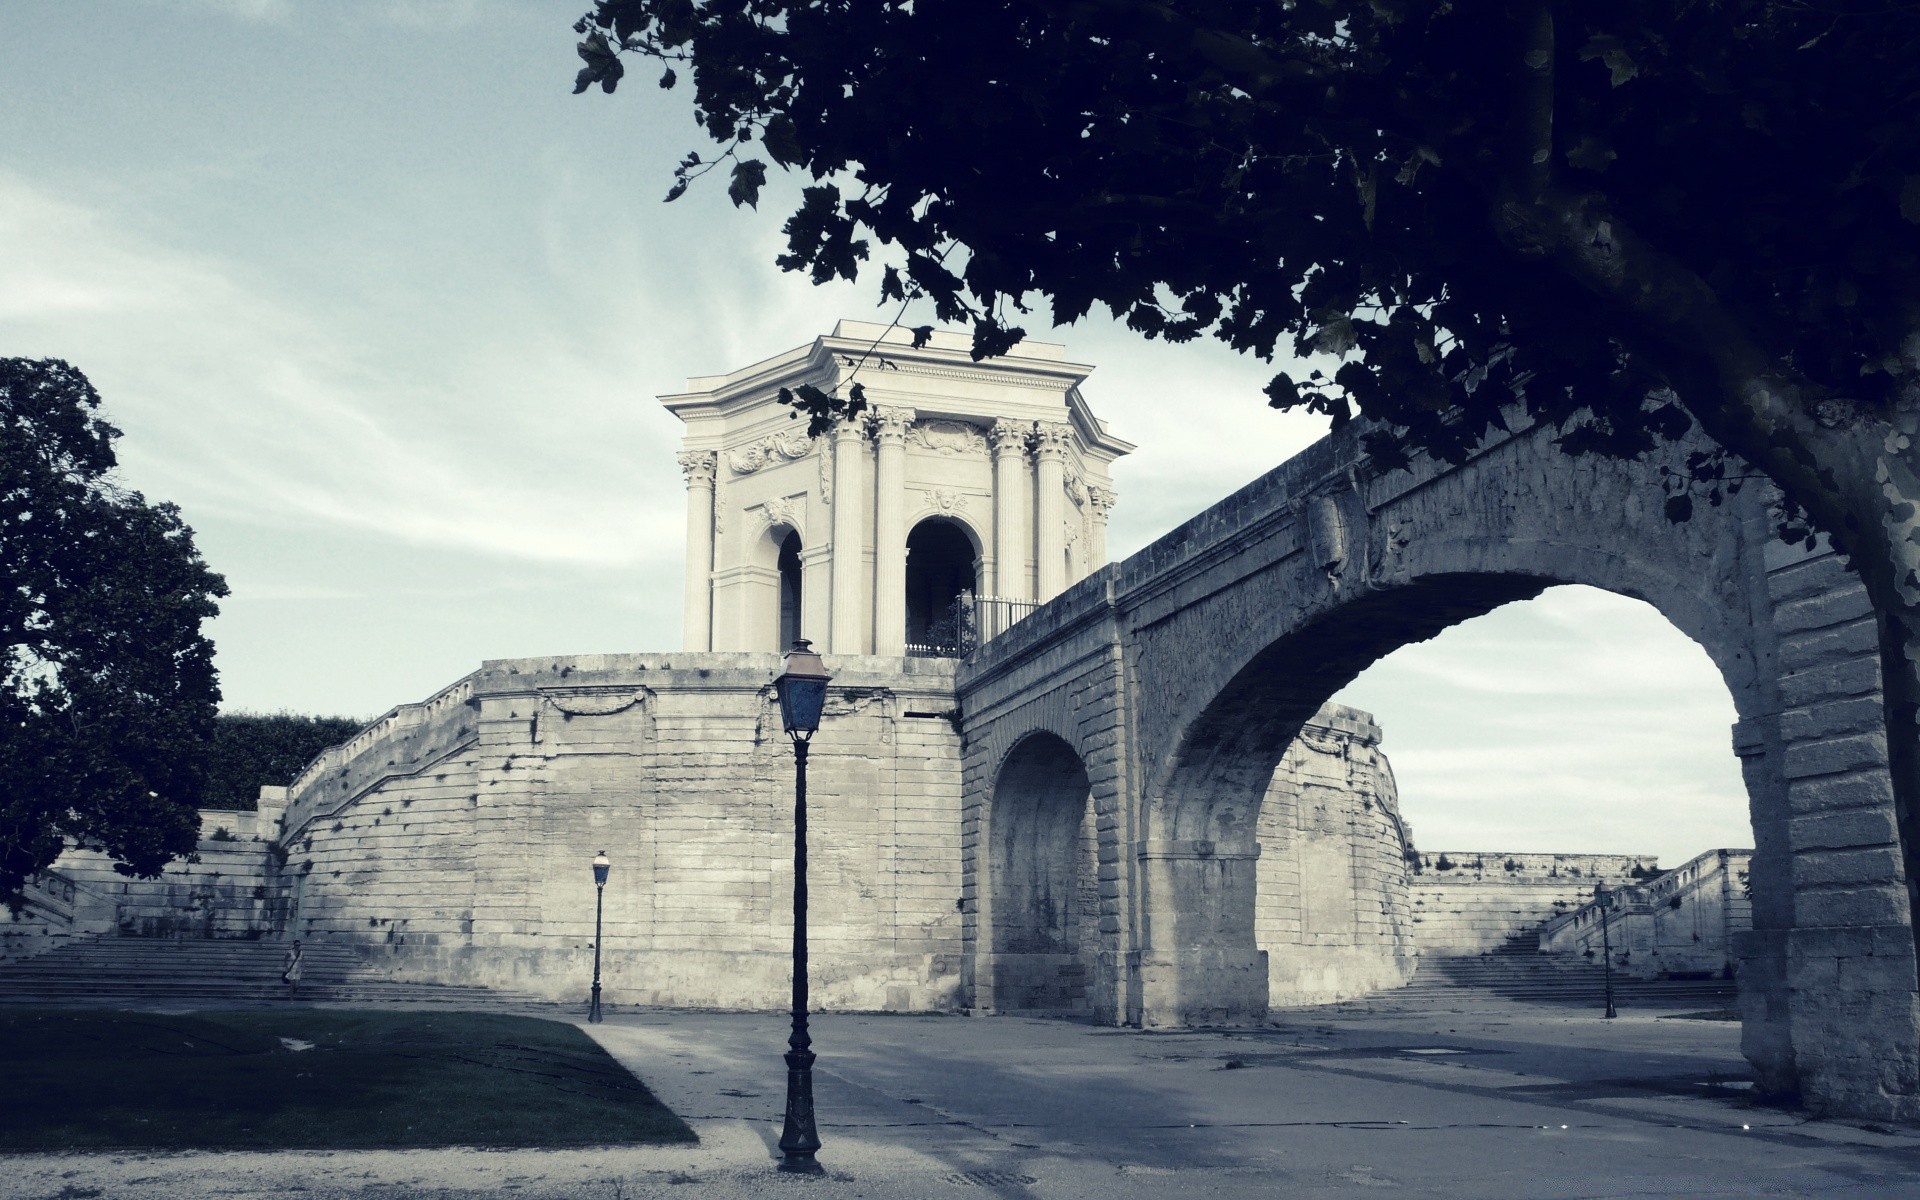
(238, 403)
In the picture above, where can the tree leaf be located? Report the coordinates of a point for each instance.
(748, 178)
(603, 66)
(1613, 52)
(1336, 337)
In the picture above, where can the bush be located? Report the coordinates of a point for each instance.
(255, 750)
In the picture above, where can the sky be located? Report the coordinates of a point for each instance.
(384, 309)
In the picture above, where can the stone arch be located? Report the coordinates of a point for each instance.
(1202, 803)
(943, 562)
(1043, 882)
(771, 607)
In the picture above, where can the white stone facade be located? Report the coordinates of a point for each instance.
(1004, 453)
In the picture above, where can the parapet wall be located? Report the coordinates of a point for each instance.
(1467, 902)
(453, 840)
(1682, 923)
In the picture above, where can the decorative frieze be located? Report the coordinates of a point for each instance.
(780, 447)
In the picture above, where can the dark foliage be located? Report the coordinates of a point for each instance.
(251, 750)
(107, 703)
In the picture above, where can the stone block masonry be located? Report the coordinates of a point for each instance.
(1467, 902)
(455, 845)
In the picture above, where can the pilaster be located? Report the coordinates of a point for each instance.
(1012, 535)
(852, 585)
(1100, 504)
(890, 426)
(1051, 439)
(699, 467)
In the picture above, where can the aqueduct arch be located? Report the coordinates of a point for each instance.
(1187, 669)
(1043, 905)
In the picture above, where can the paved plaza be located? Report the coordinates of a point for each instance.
(1499, 1100)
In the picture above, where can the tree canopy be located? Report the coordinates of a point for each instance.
(108, 697)
(1626, 219)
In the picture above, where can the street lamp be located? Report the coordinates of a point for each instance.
(600, 866)
(1603, 896)
(802, 690)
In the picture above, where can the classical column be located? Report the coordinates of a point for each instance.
(890, 530)
(851, 583)
(1050, 508)
(1100, 504)
(1011, 533)
(700, 467)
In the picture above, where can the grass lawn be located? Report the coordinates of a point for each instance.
(300, 1078)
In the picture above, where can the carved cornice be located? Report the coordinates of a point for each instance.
(700, 467)
(948, 437)
(779, 447)
(1010, 437)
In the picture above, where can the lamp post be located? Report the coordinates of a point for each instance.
(1603, 896)
(600, 866)
(802, 690)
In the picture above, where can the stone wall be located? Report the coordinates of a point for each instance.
(1467, 902)
(1332, 909)
(227, 889)
(1681, 924)
(454, 845)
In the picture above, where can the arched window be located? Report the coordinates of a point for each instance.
(789, 590)
(941, 569)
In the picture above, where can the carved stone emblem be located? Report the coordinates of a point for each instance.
(948, 437)
(781, 447)
(947, 500)
(783, 511)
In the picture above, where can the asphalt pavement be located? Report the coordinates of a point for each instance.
(1505, 1100)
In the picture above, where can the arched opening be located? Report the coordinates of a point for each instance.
(1574, 740)
(789, 567)
(1045, 884)
(1224, 957)
(942, 569)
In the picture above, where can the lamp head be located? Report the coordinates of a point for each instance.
(1601, 892)
(802, 689)
(600, 865)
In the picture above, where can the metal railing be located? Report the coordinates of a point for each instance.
(970, 622)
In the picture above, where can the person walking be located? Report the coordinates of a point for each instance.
(291, 968)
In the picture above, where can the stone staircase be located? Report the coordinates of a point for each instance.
(1518, 971)
(118, 970)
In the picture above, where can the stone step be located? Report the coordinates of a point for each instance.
(107, 970)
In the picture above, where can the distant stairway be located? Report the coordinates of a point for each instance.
(121, 970)
(1518, 971)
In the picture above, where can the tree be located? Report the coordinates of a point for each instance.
(1626, 219)
(251, 749)
(107, 703)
